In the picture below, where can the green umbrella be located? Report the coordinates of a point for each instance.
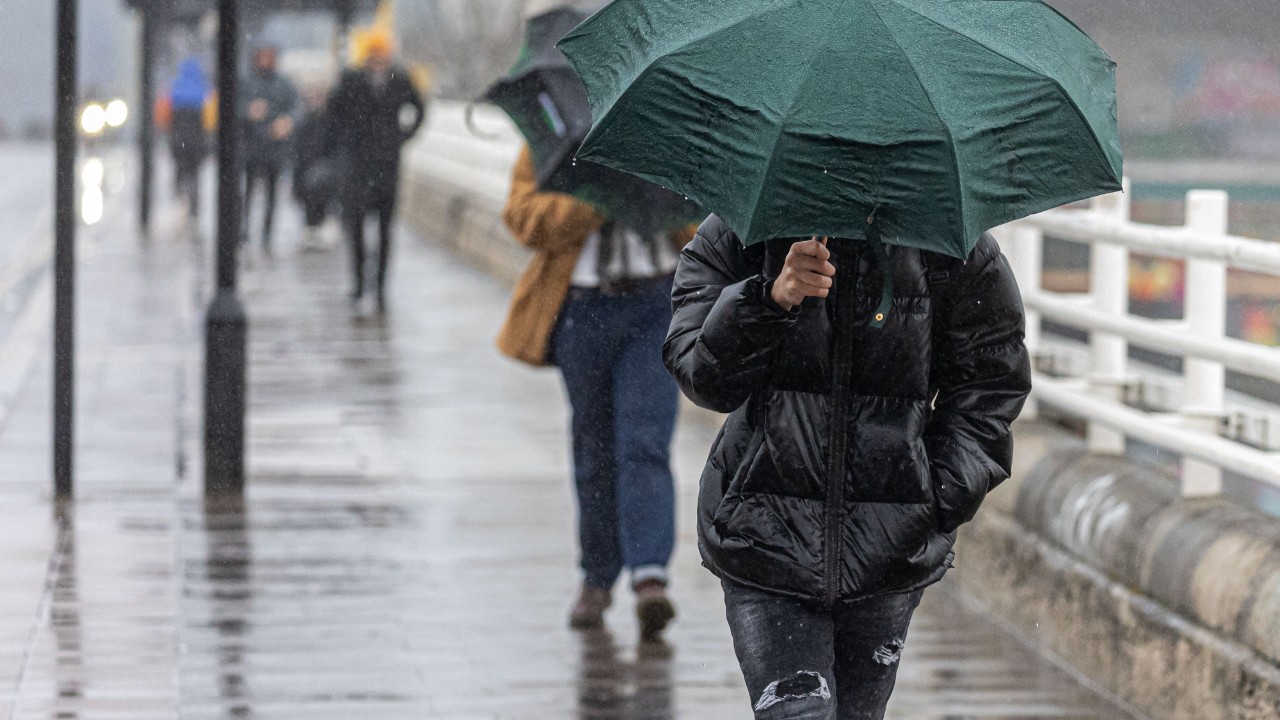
(940, 119)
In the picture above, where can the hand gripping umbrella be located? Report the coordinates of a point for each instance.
(921, 123)
(546, 100)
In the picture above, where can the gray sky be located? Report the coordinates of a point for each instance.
(26, 56)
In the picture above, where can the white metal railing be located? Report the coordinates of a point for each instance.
(1211, 434)
(1190, 414)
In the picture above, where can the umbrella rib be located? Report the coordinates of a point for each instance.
(608, 116)
(951, 140)
(1075, 107)
(782, 123)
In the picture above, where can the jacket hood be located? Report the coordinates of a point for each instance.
(190, 88)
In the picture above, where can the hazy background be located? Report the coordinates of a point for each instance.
(1197, 79)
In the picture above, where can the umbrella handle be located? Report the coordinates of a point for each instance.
(471, 123)
(816, 303)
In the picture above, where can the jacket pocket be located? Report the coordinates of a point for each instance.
(734, 489)
(887, 461)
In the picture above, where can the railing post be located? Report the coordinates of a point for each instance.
(1205, 310)
(1109, 354)
(1025, 252)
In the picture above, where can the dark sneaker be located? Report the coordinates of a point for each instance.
(653, 609)
(588, 612)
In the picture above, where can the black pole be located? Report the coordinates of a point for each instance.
(345, 12)
(146, 133)
(226, 326)
(64, 256)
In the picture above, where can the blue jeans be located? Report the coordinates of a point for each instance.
(803, 662)
(623, 402)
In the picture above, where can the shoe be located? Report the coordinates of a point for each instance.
(588, 612)
(382, 303)
(653, 609)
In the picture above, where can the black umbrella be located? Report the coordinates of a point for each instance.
(546, 99)
(544, 96)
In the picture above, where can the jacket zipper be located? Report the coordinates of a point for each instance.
(837, 443)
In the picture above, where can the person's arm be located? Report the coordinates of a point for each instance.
(726, 326)
(983, 374)
(285, 118)
(414, 99)
(334, 117)
(546, 221)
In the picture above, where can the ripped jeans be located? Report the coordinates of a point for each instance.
(802, 662)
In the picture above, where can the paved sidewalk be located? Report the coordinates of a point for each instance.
(406, 546)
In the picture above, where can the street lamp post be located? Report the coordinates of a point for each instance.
(226, 325)
(64, 257)
(146, 131)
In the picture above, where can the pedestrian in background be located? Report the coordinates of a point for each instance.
(315, 178)
(595, 301)
(267, 104)
(188, 142)
(373, 112)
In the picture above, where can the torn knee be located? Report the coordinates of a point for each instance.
(890, 653)
(804, 684)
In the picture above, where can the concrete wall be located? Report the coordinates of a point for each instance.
(1173, 605)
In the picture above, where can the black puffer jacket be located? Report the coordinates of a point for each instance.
(912, 418)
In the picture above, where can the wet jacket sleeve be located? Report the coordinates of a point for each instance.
(725, 330)
(546, 221)
(984, 376)
(413, 99)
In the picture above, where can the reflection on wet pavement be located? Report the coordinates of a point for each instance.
(612, 684)
(406, 546)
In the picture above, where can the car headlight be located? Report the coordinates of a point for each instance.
(93, 119)
(116, 113)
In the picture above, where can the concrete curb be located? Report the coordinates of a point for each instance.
(1171, 604)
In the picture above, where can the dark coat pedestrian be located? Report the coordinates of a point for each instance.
(367, 128)
(268, 102)
(851, 454)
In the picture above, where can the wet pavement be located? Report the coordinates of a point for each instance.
(405, 549)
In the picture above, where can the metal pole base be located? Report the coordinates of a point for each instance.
(226, 359)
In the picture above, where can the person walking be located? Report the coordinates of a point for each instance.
(187, 139)
(267, 104)
(851, 453)
(367, 129)
(314, 175)
(595, 301)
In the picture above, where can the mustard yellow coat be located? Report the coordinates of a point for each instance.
(555, 226)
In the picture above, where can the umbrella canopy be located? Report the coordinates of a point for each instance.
(939, 118)
(546, 100)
